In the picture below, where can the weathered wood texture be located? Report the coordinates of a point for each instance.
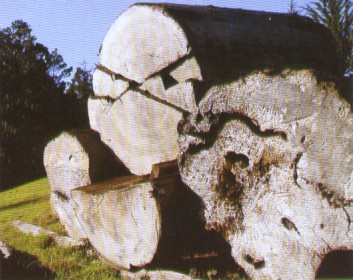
(139, 130)
(155, 220)
(272, 159)
(187, 49)
(74, 159)
(121, 219)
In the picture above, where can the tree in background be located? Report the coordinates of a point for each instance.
(293, 9)
(337, 16)
(81, 84)
(33, 105)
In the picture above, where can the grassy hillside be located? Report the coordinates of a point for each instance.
(30, 203)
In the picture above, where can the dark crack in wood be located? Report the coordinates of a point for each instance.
(289, 225)
(218, 122)
(63, 197)
(295, 170)
(258, 264)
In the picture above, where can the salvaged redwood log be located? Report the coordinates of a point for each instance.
(228, 40)
(120, 218)
(139, 130)
(74, 159)
(271, 157)
(188, 50)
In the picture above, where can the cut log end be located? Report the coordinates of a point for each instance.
(74, 159)
(260, 164)
(122, 223)
(169, 43)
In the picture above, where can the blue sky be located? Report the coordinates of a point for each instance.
(77, 27)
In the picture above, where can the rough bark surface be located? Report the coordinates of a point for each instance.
(121, 219)
(75, 159)
(272, 159)
(139, 130)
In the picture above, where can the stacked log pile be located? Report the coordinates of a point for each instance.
(244, 101)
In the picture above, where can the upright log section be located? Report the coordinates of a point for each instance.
(74, 159)
(157, 61)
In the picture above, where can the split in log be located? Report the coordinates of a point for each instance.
(210, 44)
(181, 95)
(107, 85)
(74, 159)
(271, 157)
(140, 131)
(192, 48)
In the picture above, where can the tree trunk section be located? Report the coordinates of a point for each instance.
(140, 130)
(74, 159)
(121, 219)
(271, 157)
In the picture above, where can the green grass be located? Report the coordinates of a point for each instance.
(30, 203)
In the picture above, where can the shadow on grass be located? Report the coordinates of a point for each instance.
(23, 266)
(21, 203)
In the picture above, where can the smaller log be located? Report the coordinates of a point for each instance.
(74, 159)
(121, 219)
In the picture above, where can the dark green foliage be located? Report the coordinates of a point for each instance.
(337, 15)
(81, 84)
(33, 105)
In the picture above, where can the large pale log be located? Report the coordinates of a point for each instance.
(138, 129)
(188, 49)
(224, 42)
(121, 219)
(74, 159)
(272, 159)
